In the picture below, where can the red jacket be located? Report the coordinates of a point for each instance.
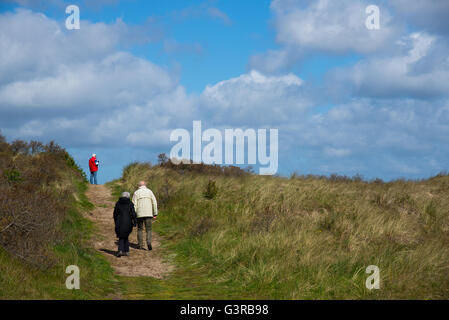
(92, 165)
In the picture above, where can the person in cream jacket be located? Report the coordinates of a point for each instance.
(146, 209)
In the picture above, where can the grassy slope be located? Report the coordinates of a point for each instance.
(18, 280)
(263, 237)
(269, 237)
(188, 280)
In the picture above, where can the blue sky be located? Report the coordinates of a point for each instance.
(345, 99)
(215, 49)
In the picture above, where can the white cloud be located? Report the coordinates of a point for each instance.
(116, 80)
(431, 15)
(331, 25)
(419, 68)
(80, 86)
(392, 138)
(31, 44)
(254, 98)
(274, 61)
(84, 91)
(326, 26)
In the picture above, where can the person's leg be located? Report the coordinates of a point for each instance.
(95, 177)
(121, 246)
(126, 245)
(91, 178)
(140, 232)
(148, 226)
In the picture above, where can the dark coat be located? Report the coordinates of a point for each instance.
(124, 217)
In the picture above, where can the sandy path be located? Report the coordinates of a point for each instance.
(140, 262)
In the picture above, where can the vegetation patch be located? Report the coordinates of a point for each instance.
(307, 237)
(42, 230)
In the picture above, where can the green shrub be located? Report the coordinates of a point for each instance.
(36, 185)
(211, 190)
(12, 176)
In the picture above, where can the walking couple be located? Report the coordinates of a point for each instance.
(141, 211)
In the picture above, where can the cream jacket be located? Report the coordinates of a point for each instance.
(145, 203)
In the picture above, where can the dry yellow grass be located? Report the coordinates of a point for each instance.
(307, 237)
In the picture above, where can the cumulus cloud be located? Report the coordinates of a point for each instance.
(393, 138)
(328, 26)
(419, 69)
(254, 98)
(32, 44)
(274, 61)
(335, 26)
(429, 15)
(79, 86)
(82, 89)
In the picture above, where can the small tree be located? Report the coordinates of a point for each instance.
(162, 159)
(211, 190)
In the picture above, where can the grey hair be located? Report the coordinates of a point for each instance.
(126, 195)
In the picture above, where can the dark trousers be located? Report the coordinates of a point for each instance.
(123, 244)
(141, 222)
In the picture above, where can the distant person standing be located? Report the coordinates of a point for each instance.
(93, 167)
(146, 209)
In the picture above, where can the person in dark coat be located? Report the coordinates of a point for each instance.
(125, 219)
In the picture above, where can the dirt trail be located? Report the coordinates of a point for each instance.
(140, 262)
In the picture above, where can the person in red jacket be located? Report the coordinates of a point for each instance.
(93, 167)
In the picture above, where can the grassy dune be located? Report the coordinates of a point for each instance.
(230, 234)
(304, 237)
(42, 229)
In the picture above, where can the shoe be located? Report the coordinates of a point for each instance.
(150, 247)
(126, 254)
(140, 248)
(119, 254)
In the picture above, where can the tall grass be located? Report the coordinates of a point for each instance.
(306, 237)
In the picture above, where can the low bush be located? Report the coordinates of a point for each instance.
(187, 166)
(35, 190)
(211, 190)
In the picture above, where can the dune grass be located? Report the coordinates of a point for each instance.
(256, 237)
(304, 237)
(20, 280)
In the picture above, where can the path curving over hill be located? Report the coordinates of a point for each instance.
(140, 262)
